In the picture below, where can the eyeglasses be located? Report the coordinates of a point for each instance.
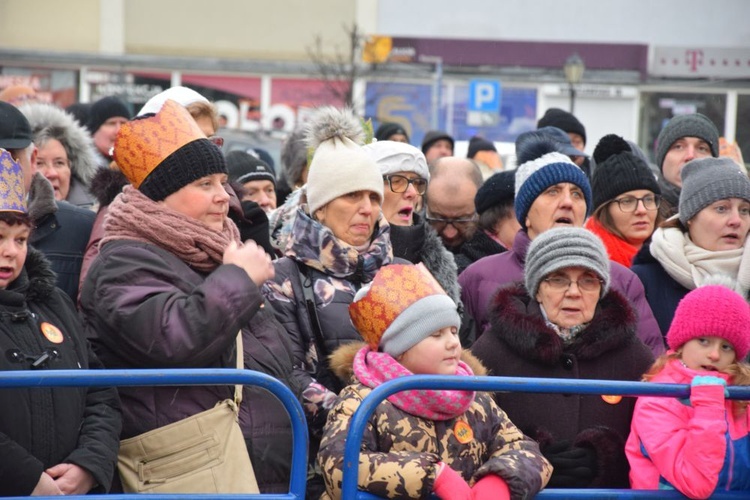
(630, 203)
(399, 183)
(219, 141)
(585, 284)
(460, 223)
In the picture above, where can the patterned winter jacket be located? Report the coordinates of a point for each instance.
(400, 451)
(696, 450)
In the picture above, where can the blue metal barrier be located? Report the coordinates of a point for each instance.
(112, 378)
(517, 384)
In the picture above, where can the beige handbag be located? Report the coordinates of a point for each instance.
(204, 453)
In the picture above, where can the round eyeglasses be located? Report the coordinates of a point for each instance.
(629, 204)
(399, 183)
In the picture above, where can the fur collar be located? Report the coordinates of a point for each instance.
(342, 359)
(517, 320)
(37, 280)
(106, 184)
(41, 198)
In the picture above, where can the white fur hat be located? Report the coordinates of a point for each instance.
(340, 164)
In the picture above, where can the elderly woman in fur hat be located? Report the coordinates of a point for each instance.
(564, 321)
(66, 154)
(336, 242)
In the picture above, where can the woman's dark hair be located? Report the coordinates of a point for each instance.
(14, 218)
(602, 215)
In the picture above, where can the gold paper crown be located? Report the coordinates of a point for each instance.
(12, 196)
(394, 288)
(141, 145)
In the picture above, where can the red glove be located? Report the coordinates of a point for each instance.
(449, 485)
(491, 487)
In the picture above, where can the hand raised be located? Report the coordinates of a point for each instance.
(252, 259)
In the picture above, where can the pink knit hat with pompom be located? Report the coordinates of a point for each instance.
(715, 311)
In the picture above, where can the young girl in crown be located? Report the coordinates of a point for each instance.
(698, 445)
(455, 444)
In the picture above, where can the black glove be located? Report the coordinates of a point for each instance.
(253, 225)
(574, 466)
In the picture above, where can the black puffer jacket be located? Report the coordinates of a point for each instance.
(42, 427)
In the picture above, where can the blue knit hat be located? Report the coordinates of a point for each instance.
(535, 176)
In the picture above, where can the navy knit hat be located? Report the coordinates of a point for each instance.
(555, 117)
(432, 136)
(388, 129)
(619, 171)
(477, 144)
(693, 125)
(104, 109)
(244, 167)
(548, 169)
(496, 190)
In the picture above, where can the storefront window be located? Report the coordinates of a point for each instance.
(743, 126)
(59, 87)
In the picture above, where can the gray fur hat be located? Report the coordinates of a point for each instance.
(692, 125)
(50, 122)
(707, 180)
(562, 247)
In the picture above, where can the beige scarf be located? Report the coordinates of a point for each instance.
(134, 216)
(692, 266)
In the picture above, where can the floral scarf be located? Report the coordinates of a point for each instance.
(314, 245)
(372, 368)
(134, 216)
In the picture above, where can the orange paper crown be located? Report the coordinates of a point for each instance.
(12, 196)
(141, 145)
(394, 288)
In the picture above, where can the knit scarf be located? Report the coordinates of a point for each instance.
(372, 368)
(134, 216)
(618, 249)
(691, 266)
(317, 247)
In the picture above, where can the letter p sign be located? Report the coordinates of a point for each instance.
(484, 96)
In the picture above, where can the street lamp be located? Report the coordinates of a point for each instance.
(573, 69)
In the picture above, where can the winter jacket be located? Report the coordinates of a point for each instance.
(77, 143)
(519, 343)
(662, 291)
(61, 232)
(478, 246)
(42, 427)
(482, 279)
(400, 451)
(695, 450)
(144, 307)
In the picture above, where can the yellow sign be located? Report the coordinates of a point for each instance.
(377, 49)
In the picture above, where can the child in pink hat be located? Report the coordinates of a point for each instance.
(701, 445)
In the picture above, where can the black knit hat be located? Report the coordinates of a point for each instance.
(192, 161)
(618, 171)
(104, 109)
(432, 136)
(556, 117)
(692, 125)
(496, 190)
(388, 129)
(244, 167)
(477, 144)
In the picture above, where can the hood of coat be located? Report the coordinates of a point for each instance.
(516, 319)
(342, 361)
(78, 142)
(36, 281)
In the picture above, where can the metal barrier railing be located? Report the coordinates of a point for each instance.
(517, 384)
(130, 378)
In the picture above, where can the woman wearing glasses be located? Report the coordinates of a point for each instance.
(704, 242)
(626, 199)
(564, 321)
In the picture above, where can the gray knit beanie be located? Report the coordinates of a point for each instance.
(562, 247)
(707, 180)
(693, 125)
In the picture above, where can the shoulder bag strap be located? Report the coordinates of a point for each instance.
(240, 366)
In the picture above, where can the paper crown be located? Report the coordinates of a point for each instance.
(12, 196)
(394, 288)
(141, 145)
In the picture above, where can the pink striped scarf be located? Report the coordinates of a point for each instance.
(372, 368)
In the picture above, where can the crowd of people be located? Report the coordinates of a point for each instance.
(132, 240)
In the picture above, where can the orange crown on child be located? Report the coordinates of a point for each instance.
(394, 289)
(142, 144)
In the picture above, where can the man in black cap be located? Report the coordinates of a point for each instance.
(437, 144)
(105, 118)
(568, 123)
(61, 230)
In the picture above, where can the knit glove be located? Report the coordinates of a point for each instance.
(574, 466)
(708, 390)
(449, 485)
(490, 487)
(254, 226)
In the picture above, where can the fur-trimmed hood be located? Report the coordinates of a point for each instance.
(342, 361)
(517, 320)
(37, 280)
(75, 138)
